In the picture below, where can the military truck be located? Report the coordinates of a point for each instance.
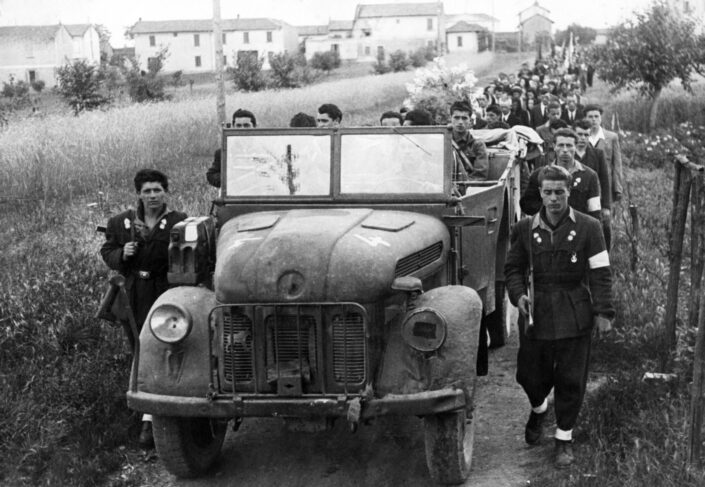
(344, 274)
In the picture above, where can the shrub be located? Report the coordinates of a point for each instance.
(177, 78)
(80, 85)
(247, 74)
(283, 72)
(398, 61)
(418, 58)
(38, 85)
(15, 89)
(147, 86)
(326, 61)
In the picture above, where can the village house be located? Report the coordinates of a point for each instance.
(35, 52)
(190, 47)
(379, 29)
(535, 27)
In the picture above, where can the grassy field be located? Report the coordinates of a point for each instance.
(63, 374)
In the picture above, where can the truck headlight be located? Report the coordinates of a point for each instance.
(424, 329)
(170, 323)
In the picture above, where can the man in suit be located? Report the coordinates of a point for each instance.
(553, 112)
(608, 142)
(483, 103)
(572, 111)
(595, 160)
(505, 106)
(539, 114)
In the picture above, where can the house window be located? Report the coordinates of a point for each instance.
(429, 24)
(397, 21)
(368, 51)
(176, 34)
(225, 60)
(198, 61)
(245, 37)
(196, 40)
(225, 39)
(335, 47)
(152, 41)
(269, 37)
(460, 41)
(32, 76)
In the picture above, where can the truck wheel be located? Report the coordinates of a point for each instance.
(188, 446)
(497, 320)
(449, 439)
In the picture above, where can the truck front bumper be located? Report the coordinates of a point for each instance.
(417, 404)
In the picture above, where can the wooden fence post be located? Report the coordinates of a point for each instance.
(697, 400)
(681, 193)
(697, 248)
(634, 236)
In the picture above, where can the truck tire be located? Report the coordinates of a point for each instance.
(496, 321)
(449, 440)
(188, 446)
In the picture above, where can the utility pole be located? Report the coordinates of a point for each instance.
(439, 21)
(218, 45)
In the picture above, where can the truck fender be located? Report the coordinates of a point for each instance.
(182, 369)
(405, 370)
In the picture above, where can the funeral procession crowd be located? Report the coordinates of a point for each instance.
(557, 270)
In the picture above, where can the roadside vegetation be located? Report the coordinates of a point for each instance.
(633, 432)
(63, 374)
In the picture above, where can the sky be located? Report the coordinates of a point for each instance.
(118, 15)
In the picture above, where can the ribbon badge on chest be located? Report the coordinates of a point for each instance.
(127, 223)
(537, 237)
(576, 182)
(571, 235)
(162, 224)
(574, 257)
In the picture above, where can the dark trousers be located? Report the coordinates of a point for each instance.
(560, 364)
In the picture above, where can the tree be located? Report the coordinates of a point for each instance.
(147, 86)
(648, 52)
(80, 84)
(398, 61)
(247, 74)
(326, 61)
(581, 35)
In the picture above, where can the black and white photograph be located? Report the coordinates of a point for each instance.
(351, 243)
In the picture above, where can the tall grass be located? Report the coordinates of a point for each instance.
(63, 375)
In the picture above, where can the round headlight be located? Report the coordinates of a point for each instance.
(170, 323)
(424, 329)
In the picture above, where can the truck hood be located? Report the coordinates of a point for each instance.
(324, 254)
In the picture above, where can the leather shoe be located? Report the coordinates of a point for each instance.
(146, 438)
(534, 427)
(564, 454)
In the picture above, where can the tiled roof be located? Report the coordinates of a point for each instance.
(397, 10)
(463, 26)
(311, 30)
(161, 26)
(77, 30)
(36, 33)
(340, 25)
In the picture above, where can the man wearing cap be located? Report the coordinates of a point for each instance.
(558, 275)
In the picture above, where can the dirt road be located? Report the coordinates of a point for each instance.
(389, 452)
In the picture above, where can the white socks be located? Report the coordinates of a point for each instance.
(542, 408)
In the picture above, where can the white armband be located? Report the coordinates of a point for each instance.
(601, 259)
(593, 204)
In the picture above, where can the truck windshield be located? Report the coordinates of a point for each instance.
(278, 165)
(391, 163)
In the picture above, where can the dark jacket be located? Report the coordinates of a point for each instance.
(584, 195)
(476, 153)
(152, 256)
(537, 119)
(213, 173)
(571, 270)
(595, 160)
(565, 116)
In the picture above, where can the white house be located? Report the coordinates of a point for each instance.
(384, 28)
(463, 37)
(190, 48)
(35, 52)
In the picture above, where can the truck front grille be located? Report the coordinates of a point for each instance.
(237, 346)
(349, 348)
(412, 263)
(313, 348)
